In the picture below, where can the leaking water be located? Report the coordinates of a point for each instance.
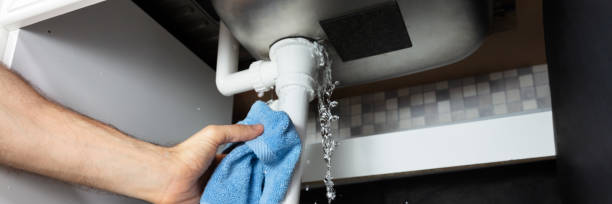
(325, 89)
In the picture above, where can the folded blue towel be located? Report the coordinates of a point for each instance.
(258, 171)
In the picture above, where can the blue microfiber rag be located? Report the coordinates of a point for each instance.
(258, 171)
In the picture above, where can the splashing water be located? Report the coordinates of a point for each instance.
(325, 89)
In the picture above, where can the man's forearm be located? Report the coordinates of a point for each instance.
(39, 136)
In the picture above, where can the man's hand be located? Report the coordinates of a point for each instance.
(42, 137)
(194, 157)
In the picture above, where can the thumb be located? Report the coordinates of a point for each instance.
(221, 134)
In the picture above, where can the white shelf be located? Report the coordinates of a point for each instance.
(514, 138)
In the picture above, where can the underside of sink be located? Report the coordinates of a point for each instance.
(369, 40)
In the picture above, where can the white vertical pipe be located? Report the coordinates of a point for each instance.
(296, 62)
(294, 101)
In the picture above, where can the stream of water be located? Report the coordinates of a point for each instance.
(324, 92)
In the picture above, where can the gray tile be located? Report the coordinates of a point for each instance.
(456, 93)
(346, 101)
(405, 113)
(540, 68)
(442, 85)
(367, 130)
(404, 101)
(484, 101)
(429, 97)
(431, 119)
(391, 104)
(468, 81)
(499, 97)
(496, 76)
(442, 95)
(512, 83)
(429, 87)
(356, 121)
(516, 106)
(454, 83)
(513, 95)
(380, 106)
(444, 107)
(343, 111)
(367, 99)
(485, 111)
(540, 78)
(527, 93)
(470, 102)
(355, 131)
(544, 102)
(471, 113)
(391, 94)
(392, 126)
(379, 96)
(416, 89)
(403, 91)
(367, 108)
(416, 99)
(524, 71)
(392, 116)
(482, 78)
(345, 122)
(469, 90)
(431, 109)
(498, 85)
(355, 100)
(458, 115)
(500, 109)
(405, 124)
(379, 128)
(367, 118)
(526, 81)
(386, 127)
(334, 124)
(456, 104)
(345, 132)
(483, 88)
(418, 122)
(380, 117)
(445, 118)
(510, 73)
(530, 104)
(417, 111)
(542, 91)
(355, 109)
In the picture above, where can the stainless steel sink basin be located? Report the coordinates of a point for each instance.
(440, 31)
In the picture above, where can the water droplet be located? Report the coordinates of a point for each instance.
(198, 108)
(308, 161)
(307, 188)
(406, 202)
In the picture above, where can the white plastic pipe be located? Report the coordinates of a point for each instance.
(297, 64)
(260, 75)
(291, 69)
(294, 101)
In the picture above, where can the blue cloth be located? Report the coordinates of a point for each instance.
(258, 171)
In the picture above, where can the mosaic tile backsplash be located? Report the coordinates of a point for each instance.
(492, 95)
